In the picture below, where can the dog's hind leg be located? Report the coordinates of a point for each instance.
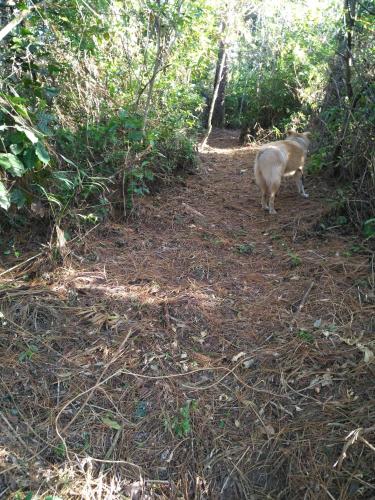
(263, 188)
(271, 206)
(299, 181)
(264, 200)
(274, 188)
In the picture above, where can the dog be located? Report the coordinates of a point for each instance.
(279, 159)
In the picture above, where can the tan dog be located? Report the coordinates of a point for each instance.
(279, 159)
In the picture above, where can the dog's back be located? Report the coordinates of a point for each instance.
(287, 155)
(277, 159)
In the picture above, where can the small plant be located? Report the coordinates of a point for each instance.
(12, 250)
(141, 409)
(86, 441)
(341, 220)
(295, 260)
(305, 335)
(28, 353)
(136, 181)
(108, 421)
(23, 496)
(245, 248)
(318, 160)
(60, 450)
(181, 424)
(275, 236)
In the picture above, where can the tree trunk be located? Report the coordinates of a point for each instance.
(213, 100)
(157, 65)
(349, 10)
(221, 61)
(218, 117)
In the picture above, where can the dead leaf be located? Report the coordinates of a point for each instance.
(236, 357)
(268, 430)
(37, 208)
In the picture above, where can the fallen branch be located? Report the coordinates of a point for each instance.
(302, 302)
(192, 210)
(21, 264)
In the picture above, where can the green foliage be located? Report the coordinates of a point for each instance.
(112, 424)
(245, 248)
(111, 96)
(60, 450)
(369, 228)
(295, 260)
(284, 52)
(181, 425)
(77, 104)
(12, 164)
(28, 353)
(305, 336)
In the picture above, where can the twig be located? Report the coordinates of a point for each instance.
(351, 438)
(21, 264)
(234, 468)
(110, 451)
(14, 432)
(90, 392)
(302, 302)
(101, 382)
(192, 210)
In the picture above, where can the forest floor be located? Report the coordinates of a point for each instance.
(202, 349)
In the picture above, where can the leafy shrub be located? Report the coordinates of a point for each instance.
(24, 159)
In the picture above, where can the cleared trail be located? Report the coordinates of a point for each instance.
(202, 346)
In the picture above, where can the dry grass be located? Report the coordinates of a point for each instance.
(178, 357)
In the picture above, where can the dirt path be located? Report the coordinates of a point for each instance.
(200, 347)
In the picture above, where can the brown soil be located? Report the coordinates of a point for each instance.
(203, 349)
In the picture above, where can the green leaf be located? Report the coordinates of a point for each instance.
(12, 164)
(149, 175)
(16, 148)
(44, 121)
(4, 197)
(141, 410)
(16, 137)
(51, 92)
(18, 197)
(29, 158)
(42, 153)
(123, 114)
(111, 423)
(29, 133)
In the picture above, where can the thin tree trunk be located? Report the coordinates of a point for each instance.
(218, 78)
(349, 10)
(164, 46)
(219, 109)
(17, 20)
(157, 65)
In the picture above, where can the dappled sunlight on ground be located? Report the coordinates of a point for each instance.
(203, 345)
